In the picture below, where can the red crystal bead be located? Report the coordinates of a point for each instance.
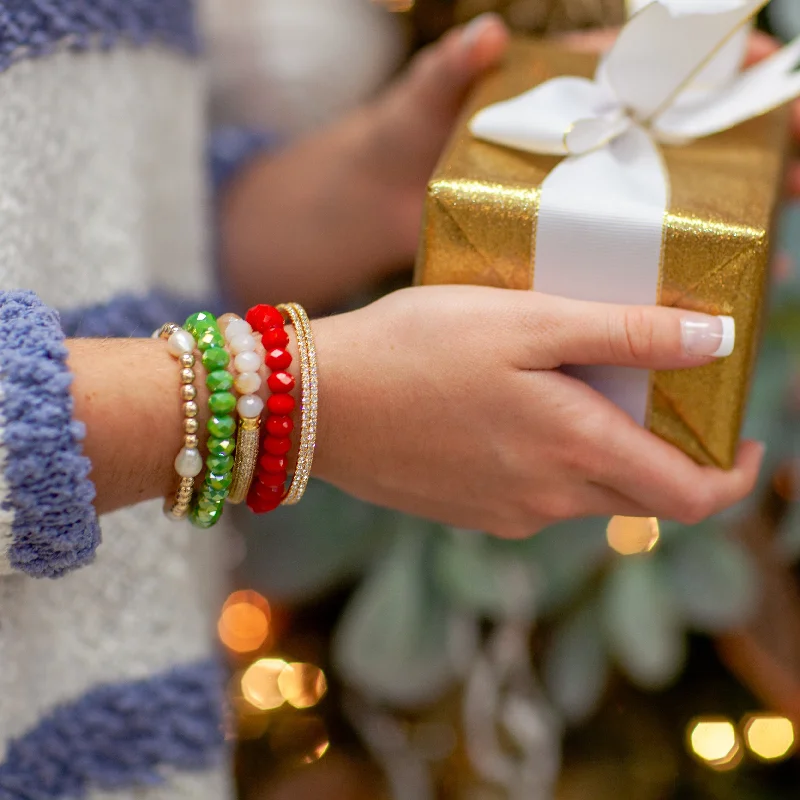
(269, 480)
(263, 317)
(268, 494)
(278, 359)
(259, 506)
(277, 446)
(275, 338)
(279, 426)
(281, 404)
(270, 463)
(280, 382)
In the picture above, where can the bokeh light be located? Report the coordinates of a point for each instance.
(299, 738)
(714, 741)
(259, 684)
(244, 624)
(769, 737)
(631, 536)
(302, 685)
(396, 6)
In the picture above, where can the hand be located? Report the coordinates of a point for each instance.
(761, 46)
(445, 402)
(340, 210)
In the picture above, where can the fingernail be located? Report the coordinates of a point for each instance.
(704, 335)
(474, 28)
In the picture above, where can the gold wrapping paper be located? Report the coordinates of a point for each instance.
(480, 227)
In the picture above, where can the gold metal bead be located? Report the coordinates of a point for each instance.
(187, 375)
(191, 425)
(188, 392)
(186, 360)
(190, 409)
(190, 440)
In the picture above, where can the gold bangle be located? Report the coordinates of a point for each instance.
(308, 403)
(189, 459)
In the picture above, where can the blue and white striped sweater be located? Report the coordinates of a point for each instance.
(108, 685)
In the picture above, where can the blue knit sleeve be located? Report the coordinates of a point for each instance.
(48, 525)
(231, 149)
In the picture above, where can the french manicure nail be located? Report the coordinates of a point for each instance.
(704, 335)
(475, 27)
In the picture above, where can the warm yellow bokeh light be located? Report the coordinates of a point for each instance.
(396, 5)
(244, 622)
(715, 742)
(769, 737)
(302, 685)
(630, 536)
(317, 753)
(260, 684)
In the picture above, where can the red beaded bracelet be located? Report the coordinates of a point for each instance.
(269, 485)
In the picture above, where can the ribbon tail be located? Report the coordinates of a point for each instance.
(662, 51)
(539, 121)
(761, 89)
(599, 238)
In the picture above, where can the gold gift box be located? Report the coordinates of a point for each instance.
(480, 221)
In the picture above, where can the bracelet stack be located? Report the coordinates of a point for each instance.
(244, 459)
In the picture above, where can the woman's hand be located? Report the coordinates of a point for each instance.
(446, 403)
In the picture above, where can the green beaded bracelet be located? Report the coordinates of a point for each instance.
(209, 502)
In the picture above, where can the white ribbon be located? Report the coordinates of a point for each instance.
(672, 76)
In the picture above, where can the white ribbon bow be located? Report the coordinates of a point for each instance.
(672, 76)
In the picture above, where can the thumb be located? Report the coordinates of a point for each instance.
(649, 337)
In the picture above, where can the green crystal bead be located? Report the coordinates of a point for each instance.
(219, 481)
(206, 520)
(222, 402)
(219, 464)
(222, 427)
(205, 505)
(211, 338)
(217, 495)
(219, 381)
(216, 358)
(221, 447)
(200, 322)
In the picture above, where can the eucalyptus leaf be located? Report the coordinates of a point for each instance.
(576, 665)
(642, 622)
(714, 580)
(299, 552)
(397, 638)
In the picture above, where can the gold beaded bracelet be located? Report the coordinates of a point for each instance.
(189, 462)
(309, 401)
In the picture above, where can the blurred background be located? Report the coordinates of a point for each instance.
(377, 656)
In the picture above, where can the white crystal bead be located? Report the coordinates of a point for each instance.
(238, 327)
(180, 342)
(247, 382)
(250, 406)
(189, 463)
(247, 362)
(242, 344)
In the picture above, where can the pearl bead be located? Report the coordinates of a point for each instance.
(247, 362)
(189, 463)
(250, 406)
(191, 425)
(242, 344)
(247, 383)
(187, 360)
(180, 342)
(238, 327)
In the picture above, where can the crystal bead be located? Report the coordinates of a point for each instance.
(278, 359)
(281, 404)
(222, 402)
(238, 327)
(180, 343)
(247, 362)
(219, 464)
(189, 463)
(279, 426)
(270, 463)
(247, 382)
(222, 427)
(262, 317)
(211, 338)
(219, 381)
(219, 481)
(221, 447)
(250, 406)
(275, 338)
(277, 446)
(280, 382)
(271, 479)
(242, 344)
(200, 322)
(216, 358)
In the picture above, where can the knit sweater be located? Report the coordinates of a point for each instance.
(109, 686)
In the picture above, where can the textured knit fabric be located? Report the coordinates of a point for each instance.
(105, 215)
(48, 509)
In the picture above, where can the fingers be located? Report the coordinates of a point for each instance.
(759, 47)
(442, 74)
(598, 41)
(649, 337)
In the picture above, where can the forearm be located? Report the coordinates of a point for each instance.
(306, 223)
